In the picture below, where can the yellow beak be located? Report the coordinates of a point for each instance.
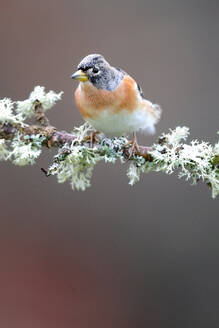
(80, 75)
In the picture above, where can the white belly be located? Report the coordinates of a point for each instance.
(124, 122)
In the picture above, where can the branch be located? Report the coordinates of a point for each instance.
(53, 138)
(22, 143)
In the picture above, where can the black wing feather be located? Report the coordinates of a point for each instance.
(140, 91)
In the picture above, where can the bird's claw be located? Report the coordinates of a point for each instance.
(93, 138)
(134, 147)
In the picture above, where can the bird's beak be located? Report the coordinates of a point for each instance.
(80, 75)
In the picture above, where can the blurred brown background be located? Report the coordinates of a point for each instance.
(115, 255)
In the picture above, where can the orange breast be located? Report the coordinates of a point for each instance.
(92, 101)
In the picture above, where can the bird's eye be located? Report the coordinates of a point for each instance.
(95, 70)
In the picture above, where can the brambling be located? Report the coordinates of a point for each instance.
(111, 101)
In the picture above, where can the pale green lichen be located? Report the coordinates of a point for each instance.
(174, 137)
(25, 152)
(4, 152)
(75, 162)
(25, 108)
(6, 111)
(216, 149)
(196, 161)
(82, 131)
(133, 174)
(77, 167)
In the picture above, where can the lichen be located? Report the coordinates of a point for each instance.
(195, 161)
(24, 152)
(75, 162)
(4, 152)
(25, 108)
(133, 174)
(6, 111)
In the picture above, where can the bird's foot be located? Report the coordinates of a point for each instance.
(93, 138)
(134, 146)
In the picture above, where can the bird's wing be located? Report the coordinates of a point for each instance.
(138, 85)
(140, 91)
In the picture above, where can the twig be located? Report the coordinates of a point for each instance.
(40, 114)
(21, 143)
(54, 138)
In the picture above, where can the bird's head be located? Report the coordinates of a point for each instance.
(96, 70)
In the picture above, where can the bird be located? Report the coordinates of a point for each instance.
(112, 101)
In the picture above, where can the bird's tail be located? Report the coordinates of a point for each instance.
(154, 109)
(157, 111)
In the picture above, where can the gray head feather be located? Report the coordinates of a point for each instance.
(100, 73)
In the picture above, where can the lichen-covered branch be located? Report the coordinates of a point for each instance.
(21, 143)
